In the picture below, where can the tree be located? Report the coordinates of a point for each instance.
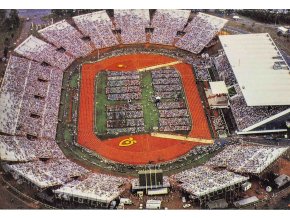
(70, 12)
(2, 17)
(6, 42)
(7, 23)
(5, 52)
(57, 12)
(266, 16)
(229, 11)
(14, 19)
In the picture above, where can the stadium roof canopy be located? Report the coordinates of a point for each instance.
(203, 180)
(250, 159)
(259, 67)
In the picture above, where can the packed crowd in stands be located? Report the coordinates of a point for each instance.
(98, 26)
(199, 32)
(100, 187)
(49, 173)
(202, 73)
(33, 107)
(173, 113)
(12, 93)
(202, 180)
(246, 116)
(69, 43)
(132, 24)
(21, 149)
(166, 24)
(224, 70)
(247, 158)
(126, 118)
(40, 51)
(219, 125)
(63, 35)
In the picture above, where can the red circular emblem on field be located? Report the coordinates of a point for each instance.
(146, 148)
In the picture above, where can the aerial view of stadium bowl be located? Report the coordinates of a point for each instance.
(145, 109)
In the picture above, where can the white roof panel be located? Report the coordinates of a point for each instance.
(252, 57)
(218, 87)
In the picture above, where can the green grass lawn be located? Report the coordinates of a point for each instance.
(74, 80)
(149, 107)
(232, 91)
(67, 136)
(100, 104)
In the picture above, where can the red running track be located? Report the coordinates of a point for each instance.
(148, 148)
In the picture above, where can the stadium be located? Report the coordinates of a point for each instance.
(90, 103)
